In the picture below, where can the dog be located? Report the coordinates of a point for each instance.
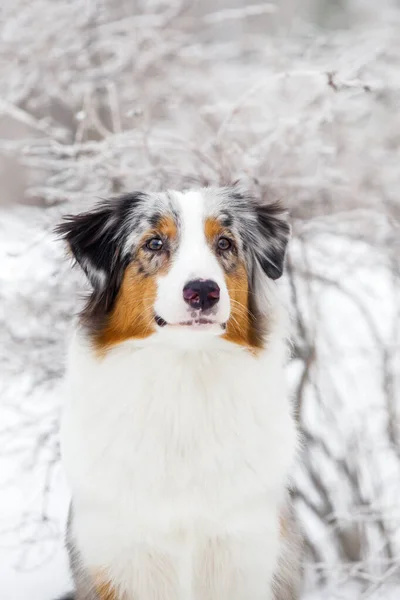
(178, 436)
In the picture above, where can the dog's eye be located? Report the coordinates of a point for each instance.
(224, 244)
(155, 244)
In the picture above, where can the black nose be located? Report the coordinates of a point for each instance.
(201, 293)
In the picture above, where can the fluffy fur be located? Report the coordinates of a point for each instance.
(177, 436)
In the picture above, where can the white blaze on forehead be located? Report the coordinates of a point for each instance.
(194, 259)
(194, 256)
(191, 208)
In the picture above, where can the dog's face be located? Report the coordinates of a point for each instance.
(179, 264)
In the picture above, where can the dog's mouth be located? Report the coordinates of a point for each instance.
(196, 323)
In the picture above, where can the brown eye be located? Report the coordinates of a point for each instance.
(224, 244)
(155, 244)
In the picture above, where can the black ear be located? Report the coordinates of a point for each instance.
(93, 240)
(273, 233)
(97, 240)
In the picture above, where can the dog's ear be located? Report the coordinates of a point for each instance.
(271, 237)
(265, 229)
(97, 240)
(93, 240)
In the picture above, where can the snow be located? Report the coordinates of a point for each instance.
(301, 101)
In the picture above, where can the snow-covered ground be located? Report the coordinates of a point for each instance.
(96, 99)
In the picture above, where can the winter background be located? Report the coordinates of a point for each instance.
(301, 98)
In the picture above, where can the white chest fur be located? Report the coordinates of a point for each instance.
(178, 461)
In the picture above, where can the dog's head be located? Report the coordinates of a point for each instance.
(187, 262)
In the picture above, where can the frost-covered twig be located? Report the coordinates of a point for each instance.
(97, 99)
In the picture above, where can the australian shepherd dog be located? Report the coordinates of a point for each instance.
(178, 435)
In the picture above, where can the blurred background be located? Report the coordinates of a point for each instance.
(302, 99)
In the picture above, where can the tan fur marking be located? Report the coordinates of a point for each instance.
(132, 316)
(240, 327)
(105, 590)
(167, 227)
(212, 229)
